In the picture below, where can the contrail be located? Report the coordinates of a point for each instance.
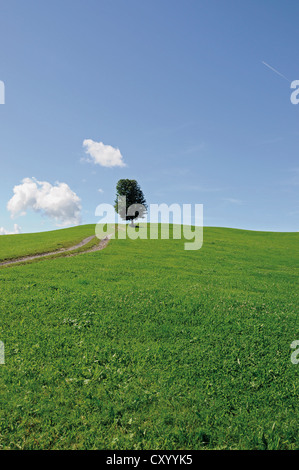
(276, 71)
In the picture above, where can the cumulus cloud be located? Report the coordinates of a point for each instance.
(101, 154)
(16, 230)
(58, 201)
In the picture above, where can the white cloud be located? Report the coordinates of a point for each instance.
(101, 154)
(58, 202)
(16, 230)
(100, 190)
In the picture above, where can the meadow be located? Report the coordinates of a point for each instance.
(144, 345)
(15, 246)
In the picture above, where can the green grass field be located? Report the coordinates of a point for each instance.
(14, 246)
(144, 345)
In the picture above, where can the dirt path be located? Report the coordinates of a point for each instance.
(102, 244)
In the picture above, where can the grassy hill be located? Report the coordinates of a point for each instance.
(147, 346)
(15, 246)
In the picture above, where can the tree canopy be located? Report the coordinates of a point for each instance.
(130, 202)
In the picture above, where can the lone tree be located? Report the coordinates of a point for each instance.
(130, 202)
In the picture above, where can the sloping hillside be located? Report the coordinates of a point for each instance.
(144, 345)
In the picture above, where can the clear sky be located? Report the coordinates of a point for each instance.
(189, 97)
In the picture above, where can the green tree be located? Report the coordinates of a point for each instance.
(130, 202)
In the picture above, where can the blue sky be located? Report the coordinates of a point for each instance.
(179, 87)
